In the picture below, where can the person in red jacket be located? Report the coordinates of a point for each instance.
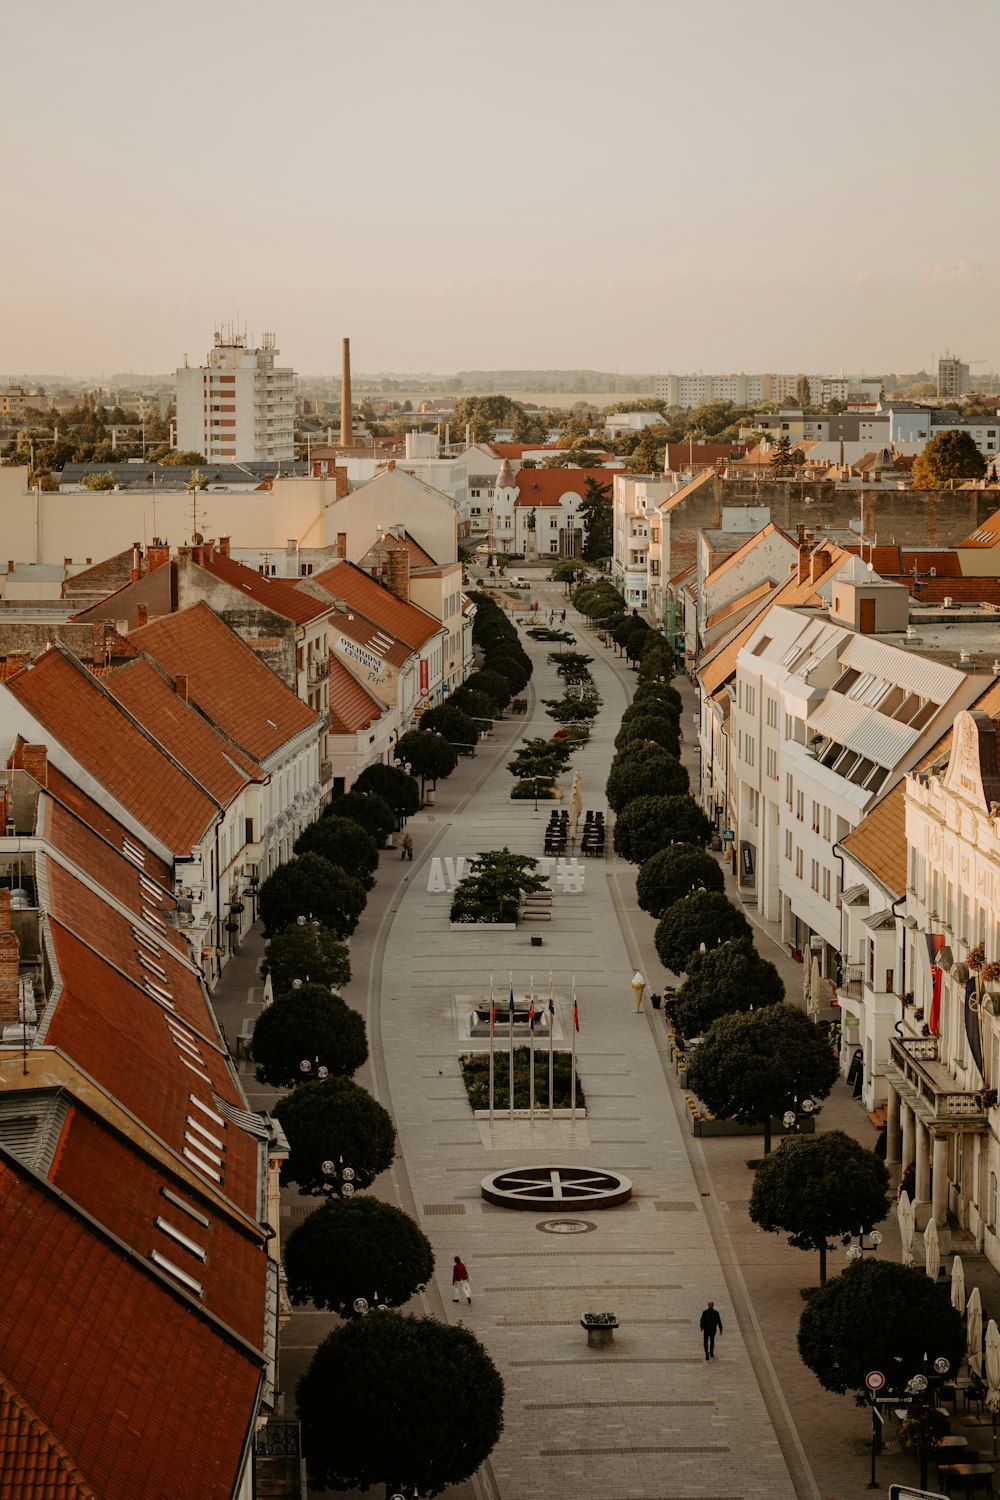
(460, 1280)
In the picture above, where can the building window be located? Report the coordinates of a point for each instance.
(798, 863)
(800, 806)
(814, 875)
(788, 843)
(826, 885)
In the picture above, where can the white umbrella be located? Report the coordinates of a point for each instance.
(974, 1331)
(904, 1215)
(932, 1249)
(815, 988)
(958, 1285)
(268, 991)
(993, 1375)
(575, 803)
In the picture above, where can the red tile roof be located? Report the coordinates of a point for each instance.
(137, 1383)
(217, 764)
(962, 590)
(352, 707)
(699, 455)
(987, 534)
(356, 627)
(408, 622)
(107, 829)
(276, 594)
(118, 1184)
(228, 682)
(547, 486)
(33, 1464)
(82, 717)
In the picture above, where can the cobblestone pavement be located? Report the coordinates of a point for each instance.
(646, 1417)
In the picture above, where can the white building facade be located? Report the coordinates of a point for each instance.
(239, 406)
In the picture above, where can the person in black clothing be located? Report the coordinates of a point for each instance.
(710, 1325)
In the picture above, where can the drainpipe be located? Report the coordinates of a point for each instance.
(840, 859)
(902, 962)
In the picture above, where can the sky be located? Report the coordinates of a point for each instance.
(645, 186)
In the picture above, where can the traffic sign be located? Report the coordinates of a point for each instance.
(874, 1380)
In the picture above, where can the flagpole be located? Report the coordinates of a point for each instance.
(552, 1016)
(572, 1071)
(510, 1015)
(493, 1022)
(531, 1047)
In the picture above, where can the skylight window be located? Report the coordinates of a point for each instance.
(157, 990)
(213, 1140)
(196, 1145)
(219, 1119)
(172, 1270)
(134, 853)
(200, 1071)
(154, 968)
(201, 1165)
(147, 942)
(180, 1237)
(154, 920)
(178, 1202)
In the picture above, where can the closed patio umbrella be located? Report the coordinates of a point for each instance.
(268, 991)
(958, 1284)
(932, 1250)
(815, 988)
(993, 1375)
(904, 1216)
(974, 1331)
(575, 803)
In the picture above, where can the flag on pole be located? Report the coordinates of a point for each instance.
(531, 1016)
(531, 1077)
(510, 1054)
(552, 1015)
(576, 1015)
(572, 1037)
(493, 1027)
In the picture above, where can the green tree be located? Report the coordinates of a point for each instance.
(373, 813)
(780, 458)
(397, 788)
(656, 662)
(453, 724)
(430, 756)
(948, 456)
(496, 881)
(311, 886)
(877, 1316)
(356, 1247)
(752, 1067)
(647, 777)
(181, 458)
(595, 510)
(648, 824)
(658, 728)
(732, 977)
(307, 1025)
(309, 952)
(495, 685)
(802, 391)
(818, 1189)
(483, 414)
(106, 481)
(334, 1120)
(474, 705)
(660, 694)
(673, 873)
(343, 842)
(707, 917)
(418, 1406)
(627, 627)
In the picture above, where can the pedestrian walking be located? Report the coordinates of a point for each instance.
(710, 1325)
(552, 615)
(407, 850)
(460, 1280)
(562, 618)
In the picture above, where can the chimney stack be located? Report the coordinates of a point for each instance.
(821, 560)
(397, 572)
(10, 962)
(35, 760)
(341, 543)
(141, 615)
(346, 411)
(342, 482)
(157, 553)
(136, 562)
(224, 543)
(6, 904)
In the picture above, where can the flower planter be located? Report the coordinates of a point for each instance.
(483, 926)
(599, 1334)
(702, 1127)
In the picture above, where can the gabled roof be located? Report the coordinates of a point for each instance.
(750, 545)
(106, 828)
(548, 486)
(376, 553)
(361, 592)
(276, 594)
(987, 534)
(351, 706)
(742, 601)
(34, 1465)
(364, 632)
(878, 843)
(98, 733)
(228, 682)
(686, 491)
(139, 1384)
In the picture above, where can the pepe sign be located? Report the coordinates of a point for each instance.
(369, 661)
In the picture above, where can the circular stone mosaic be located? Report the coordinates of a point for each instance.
(556, 1188)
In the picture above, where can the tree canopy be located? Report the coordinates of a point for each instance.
(878, 1315)
(454, 724)
(431, 756)
(334, 1120)
(418, 1405)
(731, 977)
(373, 813)
(343, 842)
(595, 511)
(484, 414)
(707, 917)
(660, 728)
(648, 824)
(948, 456)
(674, 872)
(310, 886)
(397, 788)
(818, 1189)
(307, 953)
(356, 1247)
(752, 1067)
(493, 888)
(307, 1025)
(644, 778)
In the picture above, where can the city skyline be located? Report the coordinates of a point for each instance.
(649, 191)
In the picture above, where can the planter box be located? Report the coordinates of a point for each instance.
(483, 926)
(599, 1335)
(732, 1127)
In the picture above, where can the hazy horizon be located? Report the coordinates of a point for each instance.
(556, 186)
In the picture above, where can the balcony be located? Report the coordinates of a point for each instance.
(915, 1070)
(853, 984)
(319, 670)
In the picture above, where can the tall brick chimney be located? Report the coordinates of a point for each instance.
(346, 406)
(10, 960)
(397, 572)
(342, 482)
(157, 553)
(141, 615)
(35, 760)
(821, 560)
(341, 543)
(5, 908)
(136, 573)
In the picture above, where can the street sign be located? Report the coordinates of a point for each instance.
(874, 1380)
(728, 835)
(903, 1492)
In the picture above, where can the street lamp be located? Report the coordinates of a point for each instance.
(305, 1066)
(793, 1117)
(344, 1186)
(856, 1252)
(918, 1387)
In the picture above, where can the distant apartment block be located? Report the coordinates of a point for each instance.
(239, 406)
(952, 377)
(746, 390)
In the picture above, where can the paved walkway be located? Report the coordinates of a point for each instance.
(645, 1418)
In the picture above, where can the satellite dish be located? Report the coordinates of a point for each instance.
(197, 539)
